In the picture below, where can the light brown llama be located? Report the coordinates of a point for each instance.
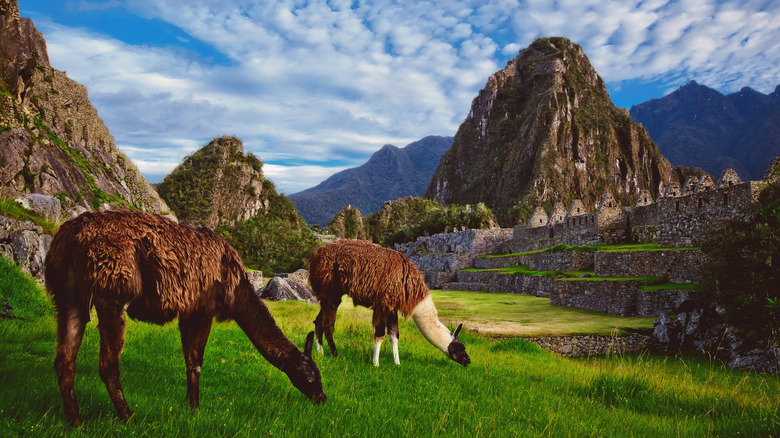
(384, 280)
(156, 270)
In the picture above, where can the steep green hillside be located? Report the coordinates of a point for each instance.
(544, 130)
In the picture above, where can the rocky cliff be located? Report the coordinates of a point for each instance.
(52, 140)
(544, 130)
(698, 126)
(218, 185)
(389, 174)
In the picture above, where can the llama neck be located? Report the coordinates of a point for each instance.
(253, 317)
(427, 319)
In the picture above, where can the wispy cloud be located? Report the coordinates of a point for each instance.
(315, 81)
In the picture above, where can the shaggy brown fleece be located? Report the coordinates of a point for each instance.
(115, 257)
(373, 276)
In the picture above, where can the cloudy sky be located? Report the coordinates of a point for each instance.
(314, 87)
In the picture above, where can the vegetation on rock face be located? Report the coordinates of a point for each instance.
(743, 275)
(543, 131)
(12, 209)
(220, 187)
(217, 185)
(406, 219)
(349, 223)
(275, 241)
(53, 139)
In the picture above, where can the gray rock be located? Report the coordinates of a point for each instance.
(25, 244)
(44, 205)
(301, 276)
(283, 289)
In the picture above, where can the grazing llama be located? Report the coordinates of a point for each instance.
(156, 270)
(381, 279)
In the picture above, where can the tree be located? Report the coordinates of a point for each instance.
(743, 273)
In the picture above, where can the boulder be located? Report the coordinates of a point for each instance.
(44, 205)
(283, 289)
(301, 276)
(25, 244)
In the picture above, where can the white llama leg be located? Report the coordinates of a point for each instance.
(320, 350)
(394, 343)
(377, 345)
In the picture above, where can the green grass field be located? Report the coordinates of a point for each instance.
(512, 388)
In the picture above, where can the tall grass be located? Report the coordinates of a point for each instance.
(512, 388)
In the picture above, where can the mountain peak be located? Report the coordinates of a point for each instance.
(230, 185)
(53, 141)
(699, 126)
(390, 173)
(544, 130)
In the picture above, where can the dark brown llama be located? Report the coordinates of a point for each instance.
(384, 280)
(156, 270)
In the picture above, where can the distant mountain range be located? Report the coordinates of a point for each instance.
(389, 174)
(698, 126)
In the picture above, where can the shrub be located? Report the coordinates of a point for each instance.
(743, 275)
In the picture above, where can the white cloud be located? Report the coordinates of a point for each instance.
(313, 81)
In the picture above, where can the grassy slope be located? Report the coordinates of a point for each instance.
(511, 389)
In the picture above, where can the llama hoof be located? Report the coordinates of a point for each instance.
(376, 364)
(320, 350)
(75, 422)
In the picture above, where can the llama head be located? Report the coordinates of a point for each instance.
(306, 376)
(456, 350)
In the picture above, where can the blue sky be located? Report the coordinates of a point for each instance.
(314, 87)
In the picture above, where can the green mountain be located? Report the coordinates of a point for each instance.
(218, 185)
(544, 130)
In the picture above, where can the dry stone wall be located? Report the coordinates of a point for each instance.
(682, 220)
(439, 256)
(676, 219)
(612, 297)
(655, 302)
(624, 298)
(493, 281)
(678, 266)
(592, 345)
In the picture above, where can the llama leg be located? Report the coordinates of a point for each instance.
(111, 323)
(195, 331)
(379, 334)
(318, 330)
(70, 331)
(392, 333)
(328, 324)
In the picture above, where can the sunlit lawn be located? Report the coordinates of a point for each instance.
(512, 388)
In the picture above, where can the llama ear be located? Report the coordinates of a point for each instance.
(457, 330)
(309, 344)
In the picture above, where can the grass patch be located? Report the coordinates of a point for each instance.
(12, 209)
(511, 388)
(505, 314)
(526, 270)
(652, 279)
(669, 286)
(620, 247)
